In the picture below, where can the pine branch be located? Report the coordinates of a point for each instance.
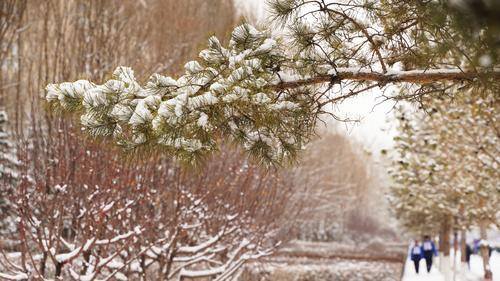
(223, 94)
(412, 76)
(253, 92)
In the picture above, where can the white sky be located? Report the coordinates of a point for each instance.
(376, 128)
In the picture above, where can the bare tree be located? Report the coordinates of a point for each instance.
(144, 220)
(333, 185)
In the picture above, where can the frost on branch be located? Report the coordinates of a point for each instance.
(226, 93)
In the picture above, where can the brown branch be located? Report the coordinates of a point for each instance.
(363, 30)
(413, 76)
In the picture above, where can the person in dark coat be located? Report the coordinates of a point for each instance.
(429, 250)
(468, 253)
(416, 255)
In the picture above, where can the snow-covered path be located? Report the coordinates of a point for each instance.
(474, 274)
(410, 274)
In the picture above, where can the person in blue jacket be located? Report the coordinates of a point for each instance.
(416, 255)
(428, 250)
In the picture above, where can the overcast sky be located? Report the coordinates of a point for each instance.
(376, 128)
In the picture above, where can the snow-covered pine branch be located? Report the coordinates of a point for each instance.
(226, 93)
(250, 93)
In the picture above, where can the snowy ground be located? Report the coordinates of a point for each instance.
(322, 261)
(304, 269)
(474, 274)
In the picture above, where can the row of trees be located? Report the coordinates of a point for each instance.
(91, 215)
(336, 187)
(446, 168)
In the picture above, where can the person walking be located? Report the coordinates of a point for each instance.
(468, 253)
(429, 250)
(416, 255)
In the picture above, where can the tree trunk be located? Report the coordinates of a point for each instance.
(43, 263)
(143, 268)
(170, 261)
(488, 275)
(463, 249)
(444, 239)
(455, 253)
(161, 265)
(463, 245)
(59, 267)
(444, 248)
(86, 259)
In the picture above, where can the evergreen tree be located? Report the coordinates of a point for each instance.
(266, 92)
(416, 188)
(474, 15)
(8, 178)
(446, 166)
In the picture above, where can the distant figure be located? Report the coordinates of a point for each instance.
(475, 244)
(416, 255)
(468, 253)
(477, 247)
(429, 250)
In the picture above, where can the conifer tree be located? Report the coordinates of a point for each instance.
(8, 178)
(446, 166)
(266, 92)
(472, 15)
(414, 190)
